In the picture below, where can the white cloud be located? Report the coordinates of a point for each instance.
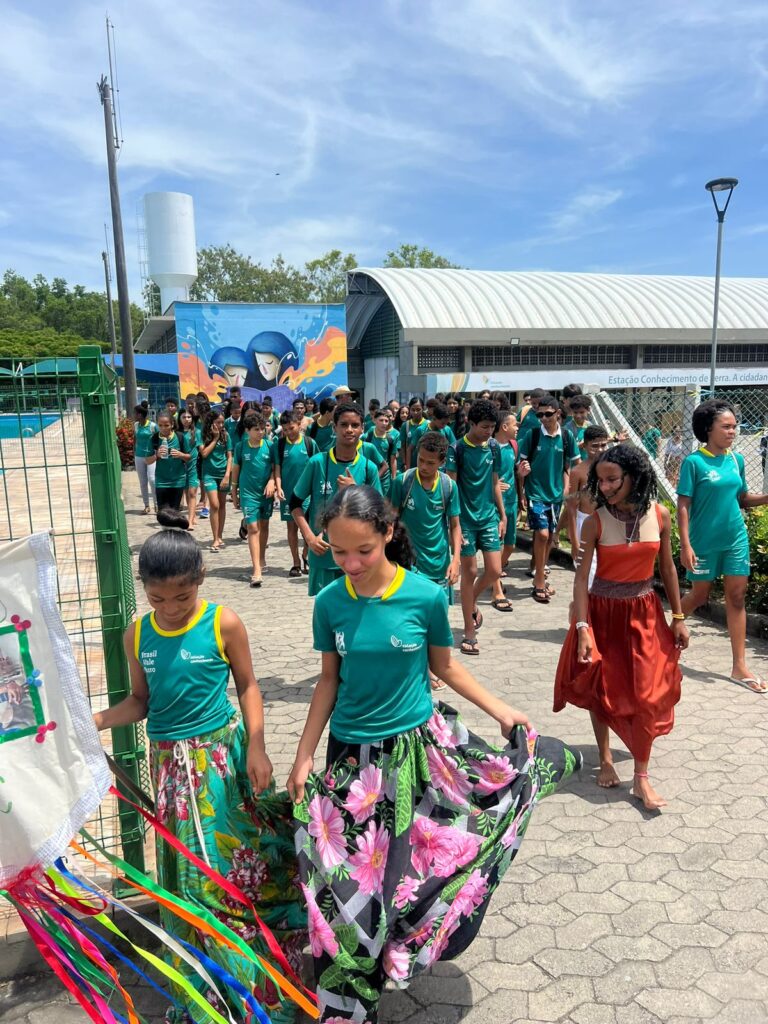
(581, 208)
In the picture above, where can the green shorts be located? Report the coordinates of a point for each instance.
(285, 510)
(319, 576)
(193, 480)
(213, 483)
(255, 507)
(480, 538)
(510, 535)
(710, 565)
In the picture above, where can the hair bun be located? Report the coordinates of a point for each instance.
(144, 404)
(173, 519)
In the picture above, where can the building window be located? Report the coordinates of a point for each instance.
(440, 358)
(497, 356)
(699, 355)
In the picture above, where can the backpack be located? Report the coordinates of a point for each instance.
(535, 435)
(281, 443)
(409, 479)
(460, 446)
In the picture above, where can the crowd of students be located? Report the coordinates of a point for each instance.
(404, 833)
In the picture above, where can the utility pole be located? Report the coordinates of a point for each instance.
(111, 329)
(123, 299)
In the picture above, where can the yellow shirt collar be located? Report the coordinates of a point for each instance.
(393, 587)
(434, 485)
(332, 456)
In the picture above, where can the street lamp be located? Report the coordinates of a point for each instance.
(714, 187)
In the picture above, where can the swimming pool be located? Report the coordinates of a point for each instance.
(25, 424)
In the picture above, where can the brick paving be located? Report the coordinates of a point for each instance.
(609, 915)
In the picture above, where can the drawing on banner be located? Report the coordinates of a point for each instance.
(284, 351)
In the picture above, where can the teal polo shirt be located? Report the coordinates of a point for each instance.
(255, 462)
(318, 483)
(545, 481)
(410, 433)
(427, 521)
(475, 480)
(714, 484)
(383, 646)
(507, 475)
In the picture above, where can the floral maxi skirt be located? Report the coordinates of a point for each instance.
(248, 840)
(401, 844)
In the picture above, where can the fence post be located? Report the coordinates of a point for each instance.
(116, 593)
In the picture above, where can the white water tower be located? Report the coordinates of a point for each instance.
(169, 221)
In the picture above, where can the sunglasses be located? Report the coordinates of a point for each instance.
(545, 415)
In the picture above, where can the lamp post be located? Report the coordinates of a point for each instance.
(715, 187)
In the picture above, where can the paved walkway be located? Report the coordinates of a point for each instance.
(609, 915)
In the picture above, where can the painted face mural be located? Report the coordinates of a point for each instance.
(279, 351)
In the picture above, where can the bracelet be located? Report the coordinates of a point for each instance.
(582, 625)
(679, 616)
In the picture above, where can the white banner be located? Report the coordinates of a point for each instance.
(543, 376)
(53, 773)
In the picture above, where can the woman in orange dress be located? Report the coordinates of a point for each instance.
(620, 658)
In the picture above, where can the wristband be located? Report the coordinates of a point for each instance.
(582, 625)
(678, 616)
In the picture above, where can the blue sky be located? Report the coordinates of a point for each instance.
(505, 135)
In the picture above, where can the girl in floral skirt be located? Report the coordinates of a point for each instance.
(210, 770)
(406, 834)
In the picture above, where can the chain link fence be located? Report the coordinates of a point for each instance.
(660, 420)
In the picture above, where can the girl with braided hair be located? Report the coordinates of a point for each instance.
(620, 658)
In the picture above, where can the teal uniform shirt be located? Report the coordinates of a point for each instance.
(142, 439)
(475, 480)
(318, 483)
(386, 447)
(187, 673)
(383, 646)
(650, 440)
(170, 472)
(507, 476)
(215, 464)
(714, 484)
(295, 459)
(192, 439)
(578, 433)
(255, 462)
(552, 453)
(427, 521)
(230, 425)
(410, 433)
(528, 422)
(324, 437)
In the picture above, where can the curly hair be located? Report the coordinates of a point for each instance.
(704, 417)
(208, 420)
(483, 410)
(368, 506)
(635, 464)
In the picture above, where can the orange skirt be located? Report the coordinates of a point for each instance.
(633, 681)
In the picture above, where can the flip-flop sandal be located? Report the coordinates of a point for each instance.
(550, 590)
(294, 572)
(477, 618)
(540, 594)
(255, 582)
(502, 604)
(469, 646)
(304, 566)
(750, 683)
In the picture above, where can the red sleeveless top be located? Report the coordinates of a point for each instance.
(623, 562)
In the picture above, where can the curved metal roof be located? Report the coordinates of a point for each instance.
(492, 300)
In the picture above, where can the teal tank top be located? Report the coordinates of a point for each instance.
(187, 674)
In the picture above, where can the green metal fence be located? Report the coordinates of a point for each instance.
(60, 472)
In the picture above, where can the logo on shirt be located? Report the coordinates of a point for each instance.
(326, 487)
(194, 659)
(341, 646)
(410, 503)
(406, 648)
(713, 475)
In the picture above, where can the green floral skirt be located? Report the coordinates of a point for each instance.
(248, 840)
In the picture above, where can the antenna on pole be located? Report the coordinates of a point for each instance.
(117, 121)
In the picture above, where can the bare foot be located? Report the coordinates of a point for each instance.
(643, 790)
(607, 777)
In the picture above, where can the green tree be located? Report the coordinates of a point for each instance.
(327, 275)
(407, 255)
(226, 275)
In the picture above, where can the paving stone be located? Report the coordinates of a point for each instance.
(729, 987)
(742, 1011)
(678, 935)
(679, 1002)
(684, 967)
(625, 947)
(559, 998)
(634, 892)
(456, 989)
(653, 867)
(590, 1013)
(601, 878)
(599, 902)
(624, 982)
(524, 943)
(523, 977)
(585, 962)
(583, 931)
(690, 908)
(740, 952)
(640, 918)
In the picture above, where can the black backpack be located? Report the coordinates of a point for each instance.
(459, 448)
(535, 436)
(282, 441)
(409, 480)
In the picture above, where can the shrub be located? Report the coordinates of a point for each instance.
(124, 433)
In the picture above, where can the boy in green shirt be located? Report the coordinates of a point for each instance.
(438, 424)
(411, 431)
(290, 453)
(387, 443)
(321, 430)
(373, 408)
(505, 437)
(546, 455)
(253, 488)
(474, 463)
(343, 466)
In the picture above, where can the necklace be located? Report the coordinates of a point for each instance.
(629, 541)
